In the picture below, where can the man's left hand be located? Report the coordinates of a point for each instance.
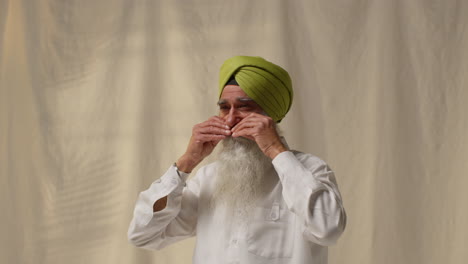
(262, 130)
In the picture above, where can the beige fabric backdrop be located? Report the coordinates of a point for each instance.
(97, 99)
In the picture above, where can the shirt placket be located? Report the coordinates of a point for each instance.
(234, 240)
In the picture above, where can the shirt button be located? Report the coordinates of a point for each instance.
(234, 241)
(273, 216)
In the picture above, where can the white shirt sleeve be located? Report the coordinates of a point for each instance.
(311, 192)
(155, 230)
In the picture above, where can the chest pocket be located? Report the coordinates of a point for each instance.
(270, 233)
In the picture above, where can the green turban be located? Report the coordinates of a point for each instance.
(266, 83)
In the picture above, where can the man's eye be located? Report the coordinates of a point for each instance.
(223, 107)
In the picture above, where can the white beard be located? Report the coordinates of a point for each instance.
(242, 172)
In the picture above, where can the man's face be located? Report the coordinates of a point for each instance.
(235, 105)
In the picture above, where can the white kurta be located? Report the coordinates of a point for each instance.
(301, 215)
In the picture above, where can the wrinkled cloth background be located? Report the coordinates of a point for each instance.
(98, 98)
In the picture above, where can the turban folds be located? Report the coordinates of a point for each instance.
(266, 83)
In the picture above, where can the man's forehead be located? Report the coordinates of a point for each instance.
(234, 93)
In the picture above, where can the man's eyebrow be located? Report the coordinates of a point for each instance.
(220, 102)
(239, 99)
(245, 99)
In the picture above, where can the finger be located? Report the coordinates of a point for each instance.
(252, 118)
(217, 119)
(212, 130)
(249, 124)
(247, 133)
(202, 138)
(211, 127)
(214, 122)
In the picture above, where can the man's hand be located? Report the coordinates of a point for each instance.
(205, 137)
(262, 130)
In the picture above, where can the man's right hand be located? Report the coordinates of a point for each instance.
(205, 137)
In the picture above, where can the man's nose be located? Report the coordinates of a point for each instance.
(232, 118)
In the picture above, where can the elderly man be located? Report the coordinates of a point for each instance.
(260, 202)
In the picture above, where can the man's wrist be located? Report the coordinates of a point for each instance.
(185, 164)
(276, 149)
